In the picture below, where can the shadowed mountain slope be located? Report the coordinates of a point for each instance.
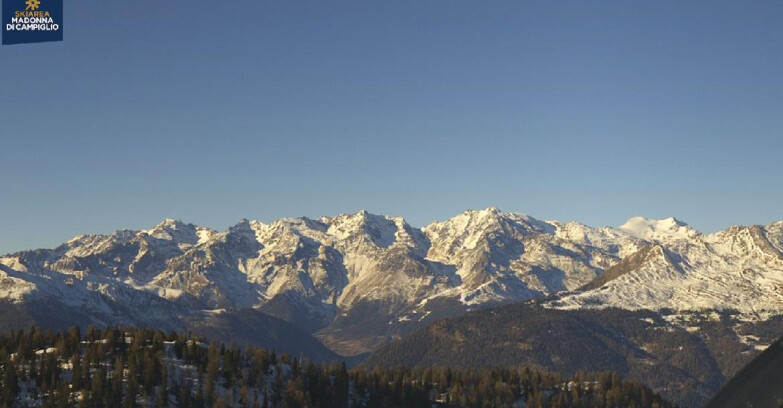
(757, 385)
(687, 364)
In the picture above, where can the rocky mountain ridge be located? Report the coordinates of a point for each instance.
(357, 281)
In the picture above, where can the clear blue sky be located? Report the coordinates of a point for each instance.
(215, 111)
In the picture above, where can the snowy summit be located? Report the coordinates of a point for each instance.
(658, 230)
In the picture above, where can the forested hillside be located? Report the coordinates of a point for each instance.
(687, 363)
(757, 385)
(123, 367)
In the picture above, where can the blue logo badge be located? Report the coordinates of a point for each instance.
(32, 21)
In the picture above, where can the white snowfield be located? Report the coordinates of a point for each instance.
(483, 257)
(665, 230)
(740, 268)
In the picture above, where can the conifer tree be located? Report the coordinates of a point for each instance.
(10, 383)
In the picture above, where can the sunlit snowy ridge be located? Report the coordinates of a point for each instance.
(315, 272)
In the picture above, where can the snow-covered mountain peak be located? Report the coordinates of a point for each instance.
(85, 245)
(489, 211)
(174, 230)
(380, 229)
(766, 242)
(243, 226)
(658, 230)
(166, 225)
(299, 224)
(476, 228)
(487, 214)
(256, 225)
(493, 217)
(169, 222)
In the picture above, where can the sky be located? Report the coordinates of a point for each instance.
(591, 111)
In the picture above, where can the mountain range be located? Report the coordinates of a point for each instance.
(357, 282)
(330, 275)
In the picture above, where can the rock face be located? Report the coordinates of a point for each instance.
(358, 281)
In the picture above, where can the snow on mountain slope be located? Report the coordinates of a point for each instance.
(738, 269)
(607, 238)
(317, 273)
(509, 257)
(658, 230)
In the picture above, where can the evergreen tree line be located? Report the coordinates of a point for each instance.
(130, 368)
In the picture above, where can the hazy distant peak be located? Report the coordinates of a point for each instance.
(656, 230)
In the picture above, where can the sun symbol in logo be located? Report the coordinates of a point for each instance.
(32, 4)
